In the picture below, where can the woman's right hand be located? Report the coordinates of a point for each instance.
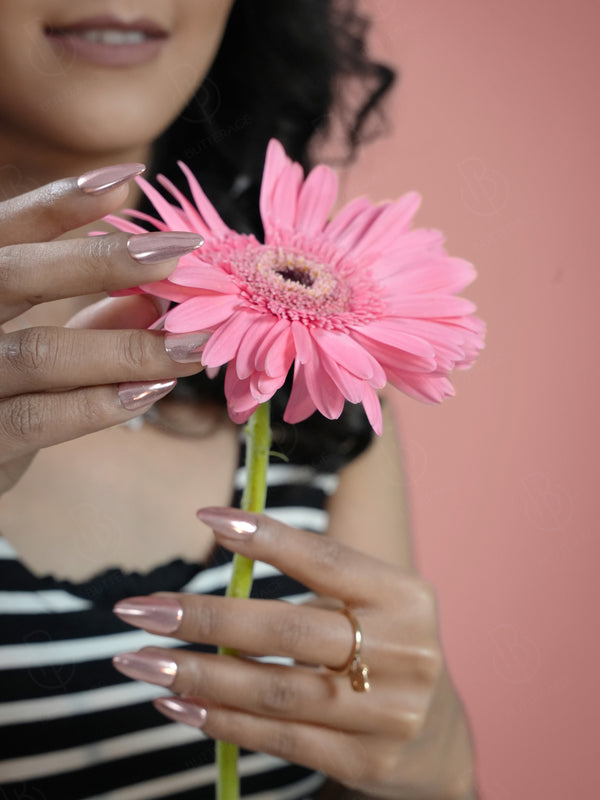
(58, 383)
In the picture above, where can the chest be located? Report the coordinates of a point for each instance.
(119, 498)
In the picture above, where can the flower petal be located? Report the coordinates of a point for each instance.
(241, 417)
(448, 339)
(168, 290)
(154, 221)
(349, 353)
(240, 403)
(122, 224)
(200, 313)
(284, 202)
(167, 211)
(302, 341)
(316, 199)
(276, 162)
(390, 357)
(372, 406)
(393, 332)
(205, 207)
(349, 385)
(194, 219)
(408, 249)
(434, 275)
(346, 217)
(393, 221)
(347, 239)
(203, 276)
(245, 363)
(225, 341)
(427, 388)
(264, 387)
(322, 389)
(237, 391)
(279, 327)
(430, 305)
(281, 354)
(300, 404)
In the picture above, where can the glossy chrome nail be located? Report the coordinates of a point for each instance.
(155, 614)
(140, 394)
(229, 522)
(185, 711)
(152, 248)
(99, 181)
(149, 665)
(186, 347)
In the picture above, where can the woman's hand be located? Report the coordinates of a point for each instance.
(405, 738)
(59, 383)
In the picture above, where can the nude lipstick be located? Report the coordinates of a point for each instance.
(108, 41)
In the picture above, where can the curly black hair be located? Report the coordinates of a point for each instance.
(289, 70)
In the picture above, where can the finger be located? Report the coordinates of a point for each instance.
(399, 647)
(323, 564)
(258, 627)
(34, 273)
(64, 205)
(273, 690)
(342, 756)
(33, 421)
(113, 313)
(52, 358)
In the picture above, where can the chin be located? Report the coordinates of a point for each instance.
(98, 128)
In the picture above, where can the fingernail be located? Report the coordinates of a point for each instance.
(154, 614)
(99, 181)
(228, 521)
(152, 248)
(148, 666)
(186, 347)
(185, 711)
(139, 394)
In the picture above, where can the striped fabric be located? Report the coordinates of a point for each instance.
(72, 727)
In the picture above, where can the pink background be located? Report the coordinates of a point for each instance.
(496, 123)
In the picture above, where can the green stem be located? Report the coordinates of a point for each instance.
(258, 446)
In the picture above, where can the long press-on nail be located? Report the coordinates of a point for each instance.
(229, 522)
(185, 711)
(147, 665)
(152, 248)
(99, 181)
(155, 614)
(140, 394)
(186, 347)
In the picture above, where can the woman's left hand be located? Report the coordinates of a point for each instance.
(403, 738)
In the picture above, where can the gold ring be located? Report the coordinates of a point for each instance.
(358, 672)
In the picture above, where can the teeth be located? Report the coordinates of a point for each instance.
(113, 36)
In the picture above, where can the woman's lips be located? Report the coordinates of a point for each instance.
(108, 41)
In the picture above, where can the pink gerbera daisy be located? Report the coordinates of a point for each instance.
(352, 303)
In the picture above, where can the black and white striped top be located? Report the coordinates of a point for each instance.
(72, 727)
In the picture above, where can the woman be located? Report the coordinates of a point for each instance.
(109, 518)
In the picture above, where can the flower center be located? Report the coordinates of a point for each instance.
(291, 284)
(297, 275)
(303, 281)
